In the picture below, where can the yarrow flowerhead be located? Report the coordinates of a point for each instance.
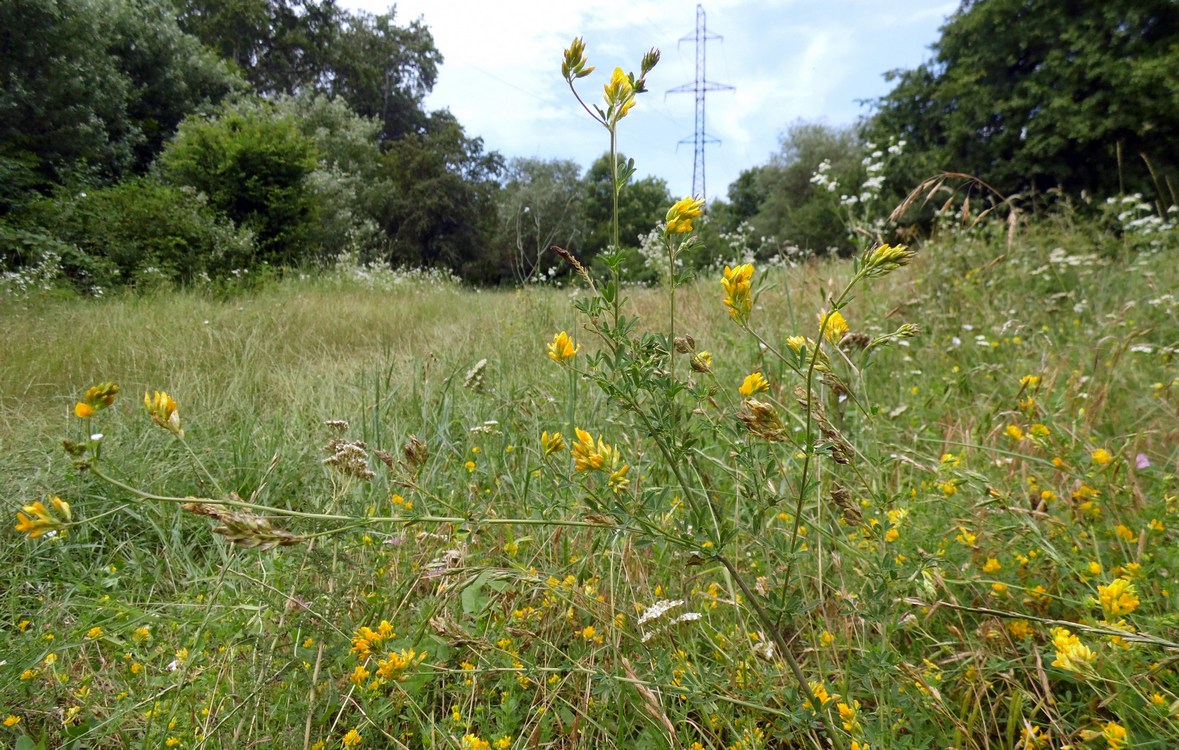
(162, 409)
(680, 215)
(738, 285)
(562, 349)
(41, 520)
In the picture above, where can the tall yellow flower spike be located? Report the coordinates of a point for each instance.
(162, 409)
(562, 348)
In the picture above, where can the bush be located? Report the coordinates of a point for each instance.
(253, 164)
(112, 236)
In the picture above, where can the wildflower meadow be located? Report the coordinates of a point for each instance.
(920, 497)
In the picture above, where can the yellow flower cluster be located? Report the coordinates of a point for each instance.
(1118, 598)
(41, 520)
(365, 641)
(738, 285)
(1071, 654)
(754, 383)
(886, 259)
(680, 215)
(619, 94)
(551, 443)
(819, 691)
(588, 456)
(834, 326)
(562, 349)
(96, 399)
(162, 409)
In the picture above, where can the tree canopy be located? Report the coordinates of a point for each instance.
(1039, 94)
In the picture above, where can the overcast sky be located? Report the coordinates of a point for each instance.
(787, 59)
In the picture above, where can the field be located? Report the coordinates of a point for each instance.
(960, 537)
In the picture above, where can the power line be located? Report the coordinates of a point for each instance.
(700, 87)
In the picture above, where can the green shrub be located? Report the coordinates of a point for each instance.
(252, 163)
(112, 236)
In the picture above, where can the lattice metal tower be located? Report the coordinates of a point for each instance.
(699, 87)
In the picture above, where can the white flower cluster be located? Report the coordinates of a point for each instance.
(655, 613)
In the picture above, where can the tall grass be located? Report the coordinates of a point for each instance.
(139, 627)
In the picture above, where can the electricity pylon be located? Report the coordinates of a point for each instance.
(699, 87)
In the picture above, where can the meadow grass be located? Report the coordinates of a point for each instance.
(1009, 466)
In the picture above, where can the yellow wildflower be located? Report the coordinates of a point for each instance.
(702, 362)
(352, 739)
(97, 398)
(1101, 456)
(834, 326)
(992, 565)
(11, 720)
(1114, 735)
(819, 691)
(618, 479)
(681, 214)
(738, 285)
(1029, 381)
(1125, 533)
(753, 383)
(94, 632)
(1071, 654)
(587, 456)
(41, 520)
(1014, 432)
(574, 64)
(552, 443)
(474, 742)
(620, 96)
(1118, 598)
(162, 409)
(847, 716)
(562, 349)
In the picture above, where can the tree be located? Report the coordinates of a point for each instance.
(438, 199)
(1035, 94)
(779, 198)
(253, 164)
(382, 70)
(89, 89)
(539, 206)
(280, 46)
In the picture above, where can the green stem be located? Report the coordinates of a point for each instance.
(373, 520)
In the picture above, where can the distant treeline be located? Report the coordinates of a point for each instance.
(194, 139)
